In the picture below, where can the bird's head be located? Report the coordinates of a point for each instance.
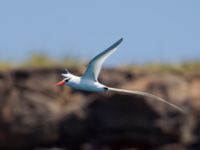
(67, 76)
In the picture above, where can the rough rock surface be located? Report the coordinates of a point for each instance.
(35, 114)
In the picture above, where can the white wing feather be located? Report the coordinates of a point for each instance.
(147, 95)
(94, 66)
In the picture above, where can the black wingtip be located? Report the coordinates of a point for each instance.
(118, 42)
(115, 44)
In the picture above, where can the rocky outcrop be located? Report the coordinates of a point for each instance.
(35, 114)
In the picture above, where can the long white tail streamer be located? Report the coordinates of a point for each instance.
(145, 94)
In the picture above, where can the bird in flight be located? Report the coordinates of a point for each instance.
(89, 80)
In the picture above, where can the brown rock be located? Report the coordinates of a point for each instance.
(35, 113)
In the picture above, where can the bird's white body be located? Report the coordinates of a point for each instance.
(89, 80)
(79, 83)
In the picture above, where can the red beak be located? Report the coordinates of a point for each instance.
(61, 83)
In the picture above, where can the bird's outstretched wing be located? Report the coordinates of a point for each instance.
(94, 66)
(145, 94)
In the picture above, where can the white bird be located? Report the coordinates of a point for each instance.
(89, 80)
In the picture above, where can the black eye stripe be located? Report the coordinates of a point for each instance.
(66, 71)
(66, 80)
(106, 88)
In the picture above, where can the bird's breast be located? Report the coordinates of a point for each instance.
(86, 86)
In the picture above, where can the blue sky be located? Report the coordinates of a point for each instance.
(153, 30)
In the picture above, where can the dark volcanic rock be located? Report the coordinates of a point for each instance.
(34, 113)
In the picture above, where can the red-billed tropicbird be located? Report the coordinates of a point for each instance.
(89, 80)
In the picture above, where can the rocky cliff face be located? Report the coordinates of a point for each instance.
(35, 114)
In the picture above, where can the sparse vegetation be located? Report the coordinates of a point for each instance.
(189, 66)
(43, 60)
(39, 60)
(5, 65)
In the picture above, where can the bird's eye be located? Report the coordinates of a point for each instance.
(66, 80)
